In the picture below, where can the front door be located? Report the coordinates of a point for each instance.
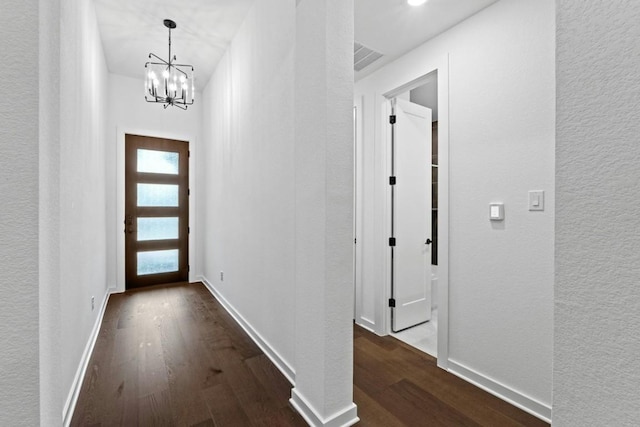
(156, 211)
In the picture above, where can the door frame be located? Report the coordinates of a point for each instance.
(120, 199)
(383, 101)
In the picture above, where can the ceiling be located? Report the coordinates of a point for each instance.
(130, 30)
(393, 28)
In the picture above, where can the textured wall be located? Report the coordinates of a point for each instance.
(324, 209)
(597, 292)
(19, 370)
(501, 127)
(51, 394)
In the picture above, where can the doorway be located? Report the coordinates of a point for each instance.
(414, 154)
(156, 216)
(373, 264)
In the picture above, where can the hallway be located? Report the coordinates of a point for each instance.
(171, 355)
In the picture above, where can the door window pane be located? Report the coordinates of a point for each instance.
(157, 195)
(158, 161)
(153, 262)
(158, 228)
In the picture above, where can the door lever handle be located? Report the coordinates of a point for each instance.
(428, 242)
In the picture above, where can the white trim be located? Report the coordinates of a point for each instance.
(517, 399)
(120, 153)
(441, 65)
(76, 385)
(264, 345)
(346, 417)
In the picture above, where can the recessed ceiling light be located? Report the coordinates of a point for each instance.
(416, 2)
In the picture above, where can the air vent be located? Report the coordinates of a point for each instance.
(363, 56)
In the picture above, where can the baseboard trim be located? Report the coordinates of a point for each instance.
(72, 398)
(267, 349)
(517, 399)
(344, 418)
(369, 325)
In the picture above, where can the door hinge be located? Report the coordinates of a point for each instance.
(392, 241)
(392, 180)
(392, 302)
(392, 119)
(189, 153)
(188, 230)
(355, 241)
(188, 191)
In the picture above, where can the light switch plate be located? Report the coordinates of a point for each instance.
(496, 211)
(536, 200)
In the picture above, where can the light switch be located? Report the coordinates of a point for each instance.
(496, 211)
(536, 200)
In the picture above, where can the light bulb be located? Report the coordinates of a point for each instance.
(416, 2)
(165, 74)
(182, 79)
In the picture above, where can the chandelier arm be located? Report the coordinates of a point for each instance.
(176, 67)
(159, 59)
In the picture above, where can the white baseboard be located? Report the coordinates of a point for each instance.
(517, 399)
(266, 348)
(343, 418)
(368, 324)
(72, 398)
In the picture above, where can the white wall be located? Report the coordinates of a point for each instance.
(248, 162)
(19, 367)
(128, 112)
(501, 127)
(275, 222)
(82, 183)
(596, 366)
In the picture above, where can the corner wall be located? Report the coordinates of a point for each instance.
(596, 367)
(501, 145)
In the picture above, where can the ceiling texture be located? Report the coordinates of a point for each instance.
(130, 30)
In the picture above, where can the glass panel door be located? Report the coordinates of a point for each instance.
(157, 211)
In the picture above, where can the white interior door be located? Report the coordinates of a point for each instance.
(411, 215)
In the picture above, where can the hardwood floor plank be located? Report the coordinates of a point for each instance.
(271, 379)
(225, 409)
(371, 413)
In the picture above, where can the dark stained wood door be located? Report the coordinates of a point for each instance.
(156, 211)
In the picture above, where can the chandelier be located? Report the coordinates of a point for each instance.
(166, 82)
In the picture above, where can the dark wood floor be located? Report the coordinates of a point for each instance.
(172, 356)
(397, 385)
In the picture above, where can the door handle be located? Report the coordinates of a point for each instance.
(428, 242)
(128, 222)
